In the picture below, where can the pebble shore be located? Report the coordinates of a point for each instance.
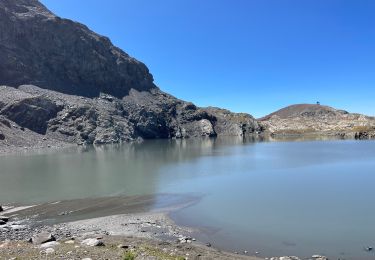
(144, 235)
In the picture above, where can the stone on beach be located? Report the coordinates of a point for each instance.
(50, 251)
(319, 257)
(49, 244)
(285, 258)
(17, 227)
(4, 218)
(5, 244)
(92, 242)
(43, 237)
(122, 246)
(183, 239)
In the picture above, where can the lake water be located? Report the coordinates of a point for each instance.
(277, 198)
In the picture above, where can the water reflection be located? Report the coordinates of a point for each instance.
(80, 172)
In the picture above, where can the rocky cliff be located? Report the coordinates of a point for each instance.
(309, 119)
(61, 81)
(39, 48)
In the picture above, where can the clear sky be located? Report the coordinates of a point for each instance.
(252, 56)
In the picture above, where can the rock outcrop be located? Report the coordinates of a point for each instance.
(309, 119)
(63, 82)
(107, 119)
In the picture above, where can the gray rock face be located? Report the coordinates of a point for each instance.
(107, 119)
(33, 113)
(37, 47)
(227, 123)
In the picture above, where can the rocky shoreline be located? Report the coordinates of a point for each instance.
(29, 233)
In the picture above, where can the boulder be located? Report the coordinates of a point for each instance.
(49, 244)
(4, 218)
(43, 237)
(50, 251)
(32, 113)
(92, 242)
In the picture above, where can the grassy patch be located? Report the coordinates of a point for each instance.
(160, 254)
(362, 128)
(295, 131)
(129, 255)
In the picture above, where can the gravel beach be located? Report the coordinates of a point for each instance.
(107, 228)
(80, 229)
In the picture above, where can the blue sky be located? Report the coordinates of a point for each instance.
(252, 56)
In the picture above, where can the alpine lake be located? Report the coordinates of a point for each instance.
(299, 197)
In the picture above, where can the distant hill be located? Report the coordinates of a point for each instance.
(306, 110)
(302, 119)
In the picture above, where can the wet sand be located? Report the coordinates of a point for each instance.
(80, 209)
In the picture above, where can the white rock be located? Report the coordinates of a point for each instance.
(319, 257)
(49, 244)
(92, 242)
(50, 251)
(18, 227)
(285, 258)
(5, 244)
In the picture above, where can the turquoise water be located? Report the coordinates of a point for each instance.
(277, 198)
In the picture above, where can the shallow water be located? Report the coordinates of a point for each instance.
(277, 198)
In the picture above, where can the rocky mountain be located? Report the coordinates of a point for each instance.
(59, 81)
(310, 119)
(42, 49)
